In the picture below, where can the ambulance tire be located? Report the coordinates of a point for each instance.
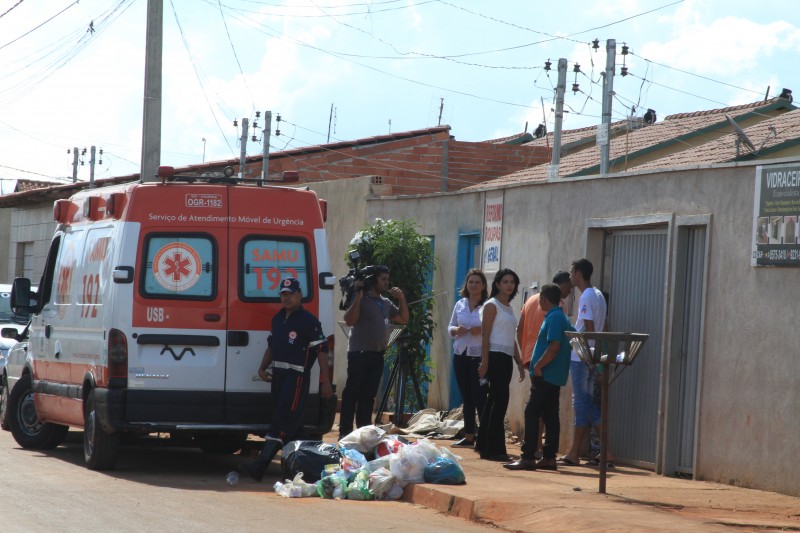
(221, 443)
(100, 449)
(24, 423)
(4, 402)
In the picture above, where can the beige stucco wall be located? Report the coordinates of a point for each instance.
(6, 270)
(30, 224)
(748, 395)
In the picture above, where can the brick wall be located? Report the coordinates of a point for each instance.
(413, 165)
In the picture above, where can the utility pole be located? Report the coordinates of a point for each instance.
(561, 87)
(91, 167)
(330, 121)
(243, 153)
(604, 130)
(151, 123)
(265, 156)
(75, 165)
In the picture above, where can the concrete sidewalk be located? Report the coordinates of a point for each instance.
(568, 500)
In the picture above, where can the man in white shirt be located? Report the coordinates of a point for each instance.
(591, 317)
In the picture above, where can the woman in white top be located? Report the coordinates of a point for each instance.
(498, 348)
(465, 328)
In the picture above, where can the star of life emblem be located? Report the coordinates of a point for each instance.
(177, 267)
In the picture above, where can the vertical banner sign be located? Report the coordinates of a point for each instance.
(492, 233)
(776, 216)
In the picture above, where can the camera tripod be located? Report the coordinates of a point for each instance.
(401, 369)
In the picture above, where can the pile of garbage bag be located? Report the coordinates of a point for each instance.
(368, 464)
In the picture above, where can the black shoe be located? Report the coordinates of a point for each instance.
(463, 443)
(547, 464)
(521, 464)
(254, 469)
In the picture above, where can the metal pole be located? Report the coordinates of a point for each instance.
(560, 89)
(151, 127)
(91, 167)
(265, 156)
(75, 165)
(603, 425)
(608, 92)
(243, 153)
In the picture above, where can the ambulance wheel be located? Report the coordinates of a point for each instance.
(3, 402)
(220, 443)
(100, 449)
(24, 423)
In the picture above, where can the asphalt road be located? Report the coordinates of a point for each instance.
(161, 487)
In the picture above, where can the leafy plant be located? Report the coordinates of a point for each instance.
(409, 256)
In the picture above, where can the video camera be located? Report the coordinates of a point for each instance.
(347, 283)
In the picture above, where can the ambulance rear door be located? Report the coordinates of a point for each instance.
(271, 237)
(179, 320)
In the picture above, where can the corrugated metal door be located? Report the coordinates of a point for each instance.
(690, 344)
(638, 277)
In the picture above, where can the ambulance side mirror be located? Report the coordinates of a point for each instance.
(122, 274)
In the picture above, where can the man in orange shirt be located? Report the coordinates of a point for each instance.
(530, 322)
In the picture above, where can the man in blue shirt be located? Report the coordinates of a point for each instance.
(296, 338)
(549, 371)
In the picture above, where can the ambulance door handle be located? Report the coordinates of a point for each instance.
(47, 330)
(211, 317)
(238, 338)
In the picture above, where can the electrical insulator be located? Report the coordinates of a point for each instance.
(254, 138)
(235, 123)
(258, 114)
(83, 152)
(547, 65)
(576, 68)
(624, 71)
(575, 88)
(625, 49)
(255, 124)
(596, 44)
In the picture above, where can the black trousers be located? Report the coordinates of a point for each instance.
(289, 393)
(474, 395)
(492, 432)
(542, 404)
(364, 371)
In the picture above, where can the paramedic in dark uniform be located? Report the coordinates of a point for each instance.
(296, 342)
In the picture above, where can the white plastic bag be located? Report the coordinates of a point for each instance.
(296, 488)
(408, 465)
(363, 439)
(428, 449)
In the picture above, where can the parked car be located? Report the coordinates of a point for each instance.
(11, 372)
(12, 354)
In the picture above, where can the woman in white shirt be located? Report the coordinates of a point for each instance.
(498, 348)
(465, 328)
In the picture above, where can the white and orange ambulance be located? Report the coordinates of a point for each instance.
(153, 313)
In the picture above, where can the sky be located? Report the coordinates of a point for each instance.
(72, 72)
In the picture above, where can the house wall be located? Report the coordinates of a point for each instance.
(748, 395)
(415, 165)
(6, 273)
(30, 224)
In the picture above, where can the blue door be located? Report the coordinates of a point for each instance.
(469, 249)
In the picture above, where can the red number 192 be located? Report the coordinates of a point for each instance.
(273, 276)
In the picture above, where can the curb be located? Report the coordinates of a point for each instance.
(440, 501)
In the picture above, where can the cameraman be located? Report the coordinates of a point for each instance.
(368, 318)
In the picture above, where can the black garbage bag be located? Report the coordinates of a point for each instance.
(308, 457)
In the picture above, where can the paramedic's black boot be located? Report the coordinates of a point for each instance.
(256, 468)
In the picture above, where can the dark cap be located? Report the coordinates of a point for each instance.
(290, 285)
(561, 277)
